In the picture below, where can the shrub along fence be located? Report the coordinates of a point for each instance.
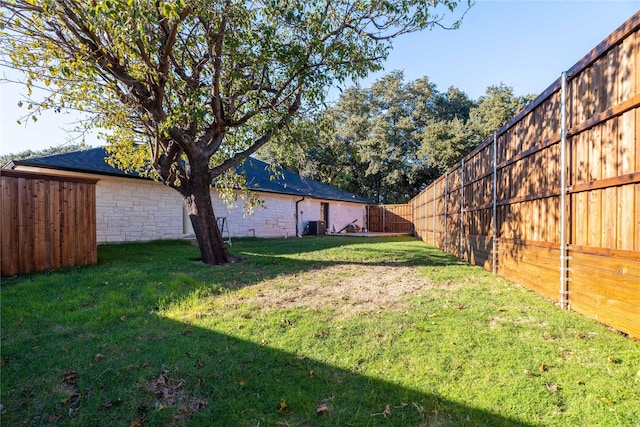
(47, 222)
(552, 201)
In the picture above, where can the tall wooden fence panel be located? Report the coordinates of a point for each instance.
(47, 222)
(390, 218)
(552, 201)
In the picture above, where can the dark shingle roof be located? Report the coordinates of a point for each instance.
(259, 174)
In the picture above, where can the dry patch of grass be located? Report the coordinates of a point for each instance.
(347, 289)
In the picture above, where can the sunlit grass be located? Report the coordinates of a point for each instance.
(463, 347)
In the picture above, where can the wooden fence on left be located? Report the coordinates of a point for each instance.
(47, 222)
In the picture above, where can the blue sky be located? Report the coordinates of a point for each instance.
(524, 44)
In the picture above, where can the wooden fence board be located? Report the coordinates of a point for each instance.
(47, 222)
(611, 312)
(396, 218)
(603, 189)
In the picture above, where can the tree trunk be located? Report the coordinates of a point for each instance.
(212, 246)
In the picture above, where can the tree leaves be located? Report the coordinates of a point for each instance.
(190, 89)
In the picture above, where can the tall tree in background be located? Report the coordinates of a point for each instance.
(495, 108)
(445, 143)
(367, 142)
(201, 84)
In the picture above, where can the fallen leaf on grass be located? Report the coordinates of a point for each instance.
(99, 356)
(433, 315)
(551, 387)
(123, 319)
(319, 334)
(301, 358)
(312, 373)
(607, 401)
(169, 393)
(387, 411)
(283, 407)
(70, 377)
(528, 373)
(542, 367)
(137, 422)
(187, 332)
(321, 409)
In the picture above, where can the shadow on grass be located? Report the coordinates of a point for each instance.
(86, 346)
(195, 376)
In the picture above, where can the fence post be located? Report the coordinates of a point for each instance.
(461, 203)
(494, 245)
(444, 232)
(434, 213)
(563, 189)
(384, 218)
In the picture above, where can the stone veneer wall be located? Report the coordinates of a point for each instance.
(130, 210)
(278, 219)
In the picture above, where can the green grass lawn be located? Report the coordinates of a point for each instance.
(318, 331)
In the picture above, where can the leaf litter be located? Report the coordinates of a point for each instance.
(169, 393)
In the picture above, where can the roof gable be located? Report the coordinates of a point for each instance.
(259, 174)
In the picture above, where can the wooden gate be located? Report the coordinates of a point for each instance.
(390, 218)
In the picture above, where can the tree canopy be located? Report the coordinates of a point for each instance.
(388, 141)
(446, 142)
(190, 88)
(367, 142)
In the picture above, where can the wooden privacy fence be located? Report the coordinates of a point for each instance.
(390, 218)
(552, 201)
(47, 222)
